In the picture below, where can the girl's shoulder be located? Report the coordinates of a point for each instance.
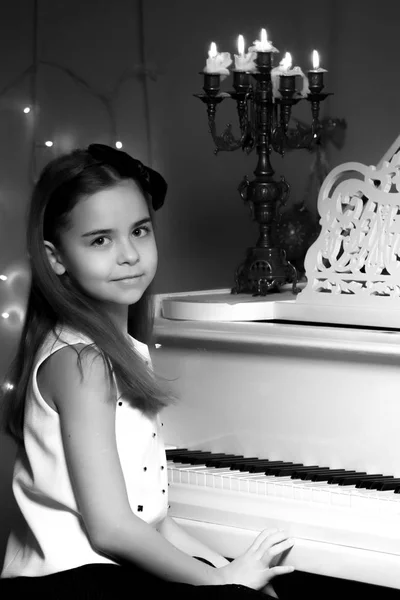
(67, 336)
(141, 348)
(57, 360)
(58, 339)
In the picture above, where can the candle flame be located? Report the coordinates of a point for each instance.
(315, 59)
(241, 45)
(286, 61)
(263, 37)
(212, 53)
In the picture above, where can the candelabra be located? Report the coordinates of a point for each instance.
(264, 117)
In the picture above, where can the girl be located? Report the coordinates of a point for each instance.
(90, 477)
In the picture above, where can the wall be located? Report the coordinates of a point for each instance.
(204, 228)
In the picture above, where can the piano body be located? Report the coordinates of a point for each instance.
(311, 380)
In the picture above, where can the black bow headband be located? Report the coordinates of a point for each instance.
(151, 181)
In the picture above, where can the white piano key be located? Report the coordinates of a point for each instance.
(201, 478)
(209, 479)
(193, 477)
(176, 476)
(322, 495)
(302, 493)
(362, 502)
(184, 476)
(341, 496)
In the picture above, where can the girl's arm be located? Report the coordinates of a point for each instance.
(87, 415)
(189, 544)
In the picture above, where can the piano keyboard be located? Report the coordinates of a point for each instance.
(345, 523)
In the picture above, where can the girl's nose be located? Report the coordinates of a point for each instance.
(128, 253)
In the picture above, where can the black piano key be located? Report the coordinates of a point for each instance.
(195, 457)
(389, 485)
(237, 464)
(173, 451)
(352, 479)
(320, 472)
(307, 470)
(186, 458)
(280, 469)
(292, 471)
(275, 467)
(375, 485)
(242, 465)
(301, 469)
(200, 460)
(223, 461)
(183, 452)
(177, 457)
(325, 475)
(228, 457)
(260, 467)
(372, 484)
(338, 478)
(368, 482)
(216, 455)
(265, 461)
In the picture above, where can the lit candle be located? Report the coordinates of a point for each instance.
(287, 76)
(316, 75)
(285, 69)
(217, 62)
(216, 66)
(241, 46)
(263, 44)
(244, 61)
(286, 62)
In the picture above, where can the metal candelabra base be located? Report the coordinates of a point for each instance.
(263, 271)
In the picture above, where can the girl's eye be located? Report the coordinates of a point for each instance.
(141, 231)
(99, 241)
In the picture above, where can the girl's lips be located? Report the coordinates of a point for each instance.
(128, 277)
(129, 281)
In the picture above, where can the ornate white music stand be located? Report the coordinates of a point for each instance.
(354, 265)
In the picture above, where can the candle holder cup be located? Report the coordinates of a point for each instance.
(241, 81)
(263, 122)
(264, 62)
(212, 83)
(315, 81)
(287, 86)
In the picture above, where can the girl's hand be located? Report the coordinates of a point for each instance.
(258, 565)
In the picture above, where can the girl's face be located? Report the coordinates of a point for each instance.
(109, 249)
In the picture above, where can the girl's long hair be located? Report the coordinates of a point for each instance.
(56, 301)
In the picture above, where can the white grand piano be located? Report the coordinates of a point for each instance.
(311, 380)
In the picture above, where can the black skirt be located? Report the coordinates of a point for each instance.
(108, 581)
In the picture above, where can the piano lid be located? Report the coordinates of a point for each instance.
(352, 269)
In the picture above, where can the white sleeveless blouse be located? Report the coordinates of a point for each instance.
(52, 537)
